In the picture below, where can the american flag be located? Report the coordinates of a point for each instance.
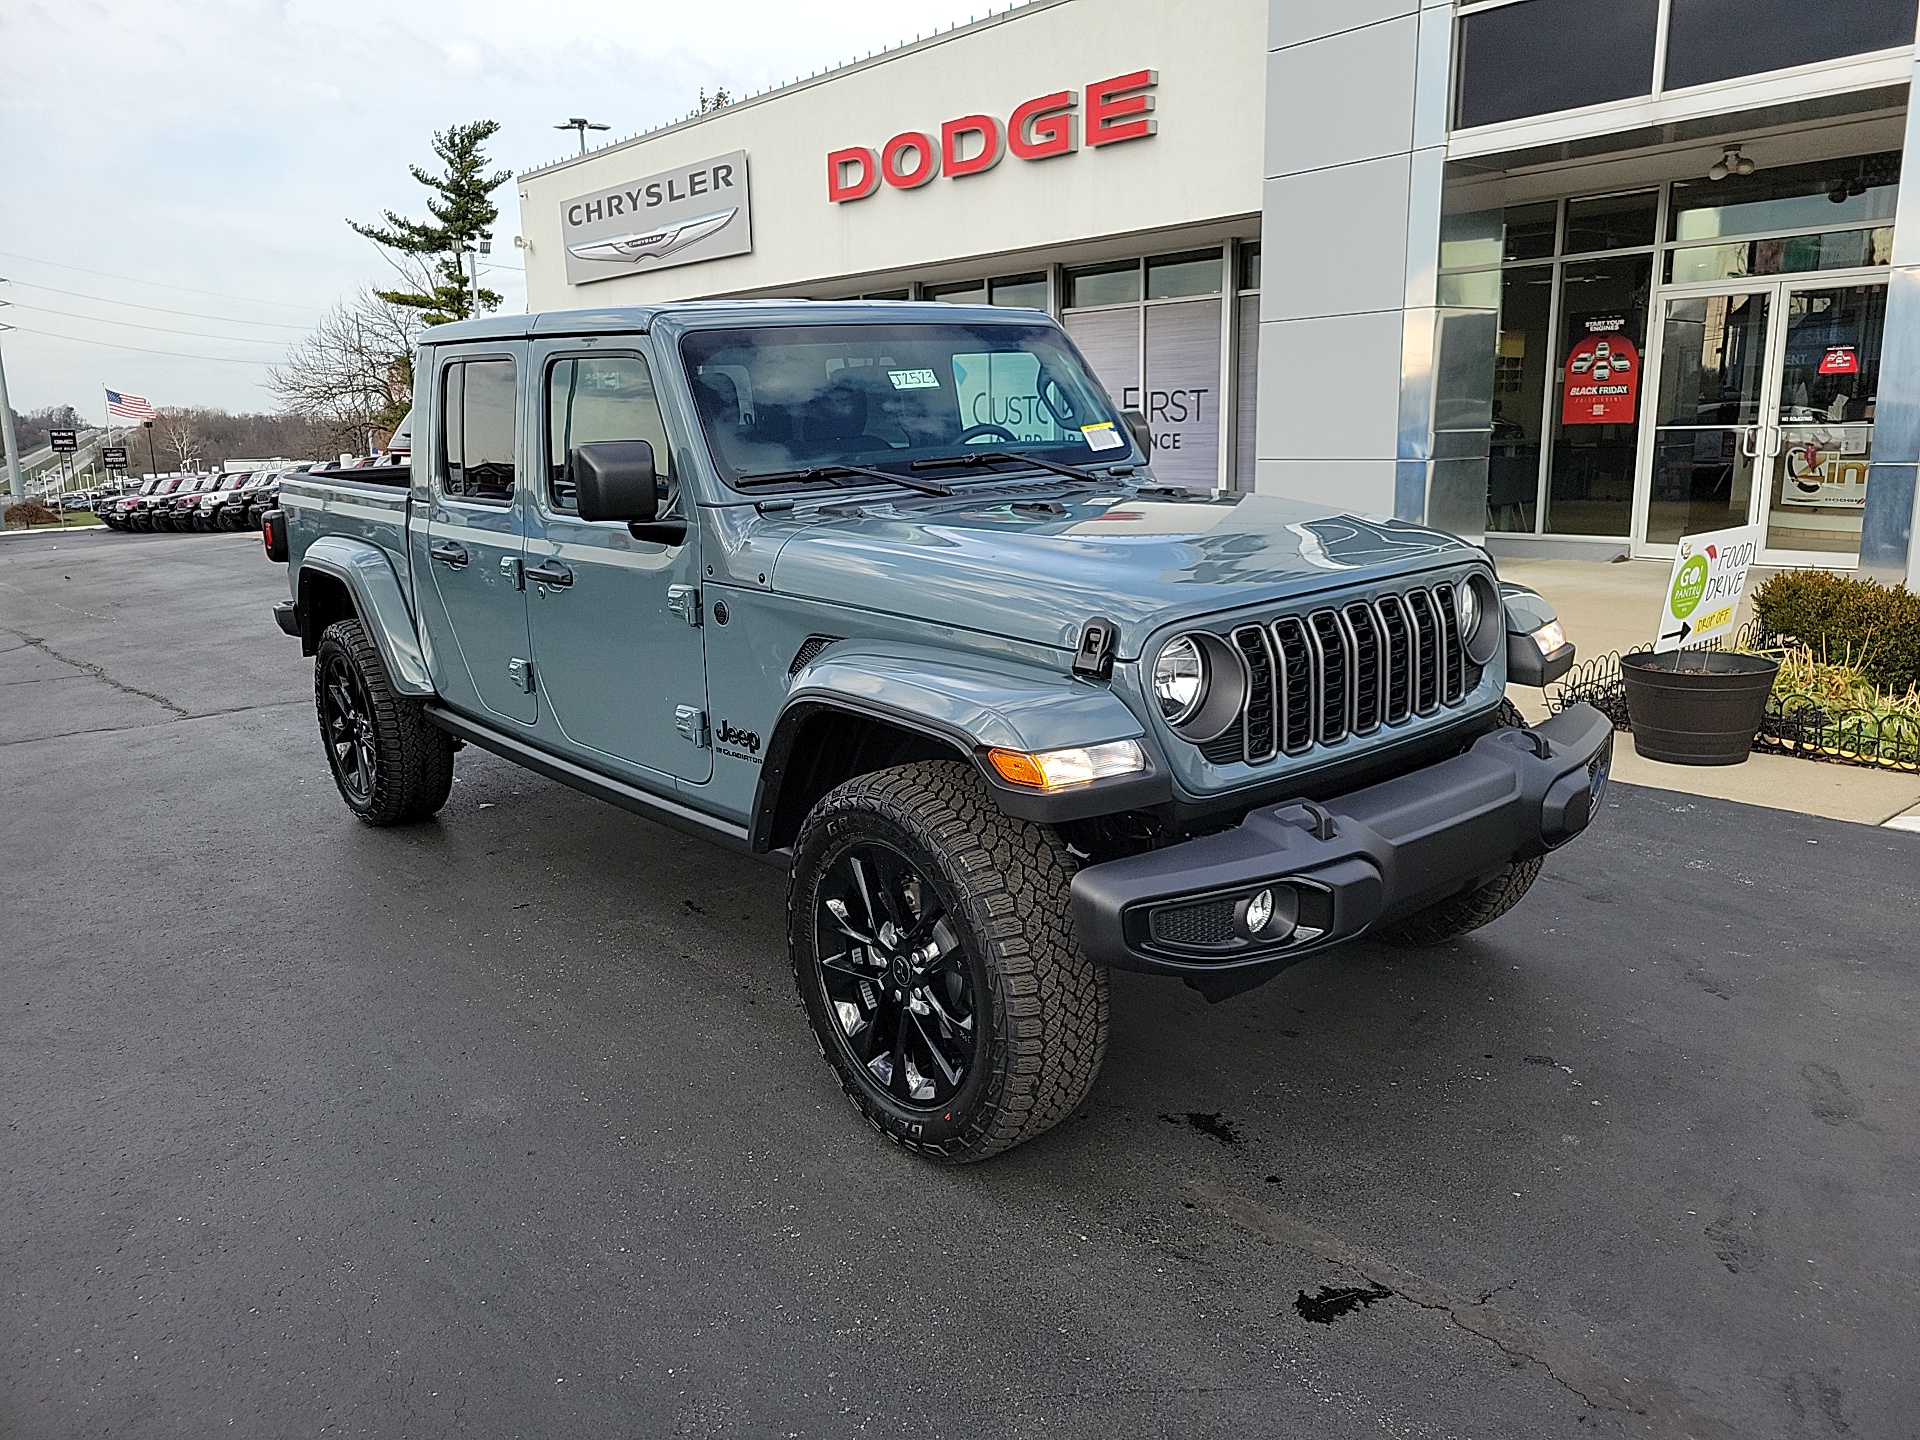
(128, 407)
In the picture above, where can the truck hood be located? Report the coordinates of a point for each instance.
(1037, 569)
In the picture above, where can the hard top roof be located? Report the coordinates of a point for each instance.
(629, 318)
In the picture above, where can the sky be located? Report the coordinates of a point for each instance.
(175, 175)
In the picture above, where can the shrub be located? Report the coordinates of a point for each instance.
(31, 512)
(1859, 623)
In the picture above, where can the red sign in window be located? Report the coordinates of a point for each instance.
(1840, 360)
(1603, 381)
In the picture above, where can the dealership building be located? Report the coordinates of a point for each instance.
(1577, 277)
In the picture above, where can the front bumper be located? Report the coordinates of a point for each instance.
(1330, 872)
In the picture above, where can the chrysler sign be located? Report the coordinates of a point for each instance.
(1046, 126)
(695, 212)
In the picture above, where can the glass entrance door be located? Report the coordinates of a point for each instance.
(1763, 414)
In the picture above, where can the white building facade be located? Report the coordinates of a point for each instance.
(1572, 276)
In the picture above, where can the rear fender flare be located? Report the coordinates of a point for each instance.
(379, 601)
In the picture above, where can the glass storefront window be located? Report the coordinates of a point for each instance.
(1249, 267)
(959, 292)
(1469, 238)
(1170, 277)
(1519, 397)
(1117, 284)
(1834, 250)
(1027, 291)
(1541, 56)
(1598, 380)
(1825, 194)
(1612, 222)
(1530, 230)
(887, 295)
(1709, 40)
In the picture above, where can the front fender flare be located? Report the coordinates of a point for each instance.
(367, 572)
(971, 709)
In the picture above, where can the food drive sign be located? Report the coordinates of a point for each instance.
(1042, 128)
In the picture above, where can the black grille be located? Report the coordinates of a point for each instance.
(1195, 926)
(1331, 674)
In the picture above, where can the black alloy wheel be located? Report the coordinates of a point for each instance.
(346, 724)
(898, 982)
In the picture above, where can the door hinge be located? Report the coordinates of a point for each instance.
(684, 601)
(520, 672)
(691, 721)
(511, 571)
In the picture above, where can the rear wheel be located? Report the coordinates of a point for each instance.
(391, 765)
(933, 947)
(1470, 909)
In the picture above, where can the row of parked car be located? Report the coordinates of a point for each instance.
(208, 500)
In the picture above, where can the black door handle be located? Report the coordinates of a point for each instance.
(550, 572)
(448, 551)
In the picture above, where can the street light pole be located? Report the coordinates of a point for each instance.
(579, 124)
(153, 464)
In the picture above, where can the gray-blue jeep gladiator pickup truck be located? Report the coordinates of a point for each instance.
(887, 592)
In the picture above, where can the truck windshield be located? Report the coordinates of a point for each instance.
(788, 400)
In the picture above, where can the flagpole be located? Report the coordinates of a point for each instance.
(14, 483)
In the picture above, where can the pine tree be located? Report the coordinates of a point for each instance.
(461, 211)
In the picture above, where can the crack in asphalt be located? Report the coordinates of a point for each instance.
(1596, 1386)
(97, 672)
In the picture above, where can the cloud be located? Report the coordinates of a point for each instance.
(219, 145)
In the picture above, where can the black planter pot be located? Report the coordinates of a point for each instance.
(1696, 707)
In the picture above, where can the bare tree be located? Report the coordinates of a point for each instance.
(354, 373)
(176, 427)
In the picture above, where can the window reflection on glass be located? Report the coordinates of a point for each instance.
(1612, 222)
(1472, 237)
(1712, 371)
(1117, 284)
(1543, 56)
(1530, 230)
(1823, 444)
(1195, 273)
(1859, 190)
(959, 292)
(599, 397)
(1519, 399)
(1789, 255)
(1249, 267)
(1598, 383)
(477, 418)
(1709, 40)
(1026, 291)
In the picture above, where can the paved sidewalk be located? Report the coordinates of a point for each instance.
(1614, 607)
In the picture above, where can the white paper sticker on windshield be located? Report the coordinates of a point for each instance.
(914, 379)
(1103, 436)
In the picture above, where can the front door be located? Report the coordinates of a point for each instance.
(472, 541)
(616, 622)
(1764, 410)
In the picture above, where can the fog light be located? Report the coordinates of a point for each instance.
(1260, 911)
(1059, 769)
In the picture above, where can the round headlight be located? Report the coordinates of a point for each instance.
(1469, 611)
(1179, 680)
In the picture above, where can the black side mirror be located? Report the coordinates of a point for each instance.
(614, 480)
(1142, 433)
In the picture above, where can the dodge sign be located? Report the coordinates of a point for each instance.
(694, 212)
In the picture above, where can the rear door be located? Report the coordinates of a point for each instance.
(615, 620)
(472, 542)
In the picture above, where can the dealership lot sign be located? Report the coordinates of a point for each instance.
(1043, 128)
(694, 212)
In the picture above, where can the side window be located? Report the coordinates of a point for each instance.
(600, 397)
(477, 422)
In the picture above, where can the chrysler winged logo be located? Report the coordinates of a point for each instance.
(647, 245)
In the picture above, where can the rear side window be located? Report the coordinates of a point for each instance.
(599, 397)
(477, 424)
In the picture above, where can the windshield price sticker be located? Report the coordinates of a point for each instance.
(1703, 594)
(914, 379)
(1103, 436)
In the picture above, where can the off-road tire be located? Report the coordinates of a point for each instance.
(1470, 909)
(412, 771)
(1005, 883)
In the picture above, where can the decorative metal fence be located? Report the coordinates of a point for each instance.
(1846, 736)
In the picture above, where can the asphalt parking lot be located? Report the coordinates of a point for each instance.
(509, 1125)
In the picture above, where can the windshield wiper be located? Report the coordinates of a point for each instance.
(832, 473)
(987, 457)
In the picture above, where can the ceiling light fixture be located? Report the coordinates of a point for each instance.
(1731, 163)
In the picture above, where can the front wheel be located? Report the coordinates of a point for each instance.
(391, 764)
(934, 951)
